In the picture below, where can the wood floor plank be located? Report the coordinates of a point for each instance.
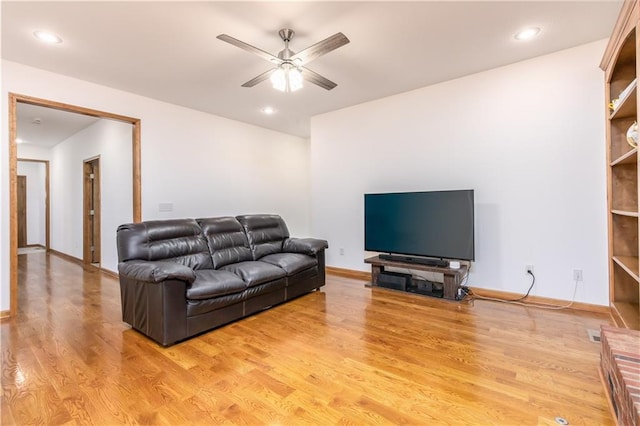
(346, 355)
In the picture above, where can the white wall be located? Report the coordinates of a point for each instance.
(33, 152)
(208, 166)
(4, 199)
(529, 138)
(205, 165)
(111, 142)
(36, 200)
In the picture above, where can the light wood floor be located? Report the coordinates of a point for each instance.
(346, 355)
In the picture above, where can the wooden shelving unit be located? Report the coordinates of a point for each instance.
(621, 66)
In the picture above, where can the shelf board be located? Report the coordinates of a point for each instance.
(627, 106)
(629, 264)
(625, 213)
(630, 157)
(629, 313)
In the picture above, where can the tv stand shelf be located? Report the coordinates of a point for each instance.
(452, 277)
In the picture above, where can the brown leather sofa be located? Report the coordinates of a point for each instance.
(182, 277)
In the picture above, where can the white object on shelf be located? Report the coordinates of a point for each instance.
(632, 135)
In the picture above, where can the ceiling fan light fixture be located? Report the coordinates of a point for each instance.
(279, 80)
(287, 78)
(295, 79)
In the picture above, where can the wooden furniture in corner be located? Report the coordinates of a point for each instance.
(621, 65)
(620, 373)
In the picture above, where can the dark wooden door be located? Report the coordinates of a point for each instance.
(92, 211)
(22, 211)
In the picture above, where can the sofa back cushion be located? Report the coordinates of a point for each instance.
(177, 240)
(266, 233)
(227, 240)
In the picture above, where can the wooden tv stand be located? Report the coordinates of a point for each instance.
(452, 277)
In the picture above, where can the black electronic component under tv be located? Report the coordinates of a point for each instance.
(433, 224)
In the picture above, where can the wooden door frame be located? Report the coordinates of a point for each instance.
(13, 169)
(47, 202)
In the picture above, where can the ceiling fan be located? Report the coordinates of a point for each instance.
(290, 69)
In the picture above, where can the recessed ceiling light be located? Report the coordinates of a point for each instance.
(527, 33)
(268, 110)
(47, 37)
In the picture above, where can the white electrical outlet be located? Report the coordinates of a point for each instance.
(528, 268)
(577, 274)
(341, 251)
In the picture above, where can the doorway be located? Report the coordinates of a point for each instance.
(33, 207)
(14, 100)
(91, 213)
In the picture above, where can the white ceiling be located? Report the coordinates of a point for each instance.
(46, 127)
(169, 51)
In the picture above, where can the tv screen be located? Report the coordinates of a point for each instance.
(432, 224)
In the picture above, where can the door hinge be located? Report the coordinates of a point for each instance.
(92, 248)
(92, 176)
(92, 212)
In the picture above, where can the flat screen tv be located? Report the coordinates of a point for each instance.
(435, 224)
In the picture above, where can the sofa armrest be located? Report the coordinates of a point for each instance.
(310, 246)
(156, 271)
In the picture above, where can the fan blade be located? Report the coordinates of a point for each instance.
(242, 45)
(320, 48)
(315, 78)
(259, 79)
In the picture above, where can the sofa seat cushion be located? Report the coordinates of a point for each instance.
(213, 283)
(230, 304)
(292, 263)
(255, 272)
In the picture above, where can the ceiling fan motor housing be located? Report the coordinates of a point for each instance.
(286, 34)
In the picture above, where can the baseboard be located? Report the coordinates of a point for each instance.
(5, 315)
(110, 273)
(81, 263)
(349, 273)
(66, 257)
(34, 245)
(496, 294)
(505, 295)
